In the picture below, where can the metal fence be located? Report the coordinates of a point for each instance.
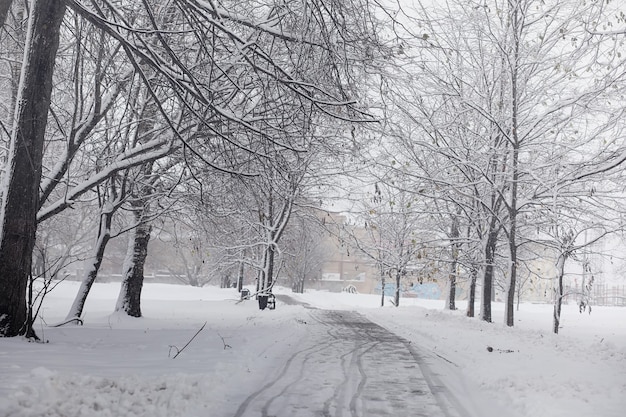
(605, 295)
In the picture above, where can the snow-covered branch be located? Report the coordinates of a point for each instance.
(139, 155)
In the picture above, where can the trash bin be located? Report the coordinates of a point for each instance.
(245, 294)
(262, 302)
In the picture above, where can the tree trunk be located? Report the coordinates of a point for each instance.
(485, 308)
(5, 6)
(382, 290)
(269, 274)
(490, 253)
(260, 286)
(129, 300)
(454, 237)
(518, 295)
(397, 294)
(259, 277)
(471, 297)
(14, 45)
(558, 296)
(509, 311)
(240, 277)
(192, 277)
(20, 188)
(451, 297)
(104, 235)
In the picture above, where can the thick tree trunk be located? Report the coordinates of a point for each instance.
(490, 253)
(454, 244)
(14, 43)
(240, 277)
(192, 277)
(21, 181)
(451, 298)
(104, 235)
(129, 300)
(397, 293)
(5, 6)
(269, 274)
(485, 307)
(471, 297)
(509, 310)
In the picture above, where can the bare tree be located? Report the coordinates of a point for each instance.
(304, 252)
(393, 237)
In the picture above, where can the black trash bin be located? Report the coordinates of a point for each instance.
(262, 301)
(245, 294)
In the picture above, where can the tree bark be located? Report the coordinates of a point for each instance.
(129, 300)
(397, 293)
(21, 182)
(269, 272)
(454, 236)
(509, 311)
(382, 289)
(451, 298)
(14, 44)
(471, 297)
(490, 253)
(240, 277)
(5, 6)
(558, 296)
(104, 235)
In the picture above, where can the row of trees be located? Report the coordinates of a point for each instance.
(130, 111)
(502, 138)
(497, 132)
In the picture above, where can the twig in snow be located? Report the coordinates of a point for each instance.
(179, 351)
(491, 349)
(226, 345)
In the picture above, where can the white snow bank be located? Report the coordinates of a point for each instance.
(119, 366)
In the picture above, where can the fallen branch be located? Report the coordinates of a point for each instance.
(226, 345)
(179, 351)
(77, 320)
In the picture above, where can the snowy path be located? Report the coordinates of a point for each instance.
(349, 366)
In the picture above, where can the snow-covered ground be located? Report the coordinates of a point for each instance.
(580, 372)
(118, 366)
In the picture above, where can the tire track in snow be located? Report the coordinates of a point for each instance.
(246, 403)
(350, 366)
(299, 378)
(359, 390)
(340, 392)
